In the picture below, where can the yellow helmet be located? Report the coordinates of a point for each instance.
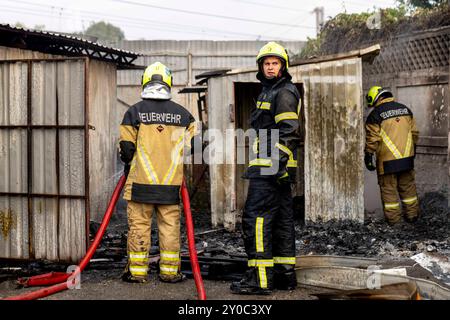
(375, 93)
(273, 49)
(157, 72)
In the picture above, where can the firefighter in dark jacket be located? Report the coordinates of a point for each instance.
(268, 222)
(392, 135)
(153, 135)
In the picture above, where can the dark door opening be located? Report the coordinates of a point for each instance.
(245, 96)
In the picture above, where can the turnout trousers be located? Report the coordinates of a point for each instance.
(138, 246)
(269, 234)
(397, 190)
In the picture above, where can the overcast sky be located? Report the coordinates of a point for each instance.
(182, 20)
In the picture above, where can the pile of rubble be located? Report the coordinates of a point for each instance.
(376, 238)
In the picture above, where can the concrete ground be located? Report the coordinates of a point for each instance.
(107, 285)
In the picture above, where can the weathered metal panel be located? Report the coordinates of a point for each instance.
(33, 228)
(334, 139)
(72, 230)
(14, 240)
(13, 161)
(102, 140)
(71, 92)
(45, 226)
(222, 155)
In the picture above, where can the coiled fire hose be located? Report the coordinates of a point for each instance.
(61, 281)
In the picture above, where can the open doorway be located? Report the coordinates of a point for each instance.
(245, 96)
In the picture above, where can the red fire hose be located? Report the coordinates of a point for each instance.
(61, 280)
(191, 242)
(50, 278)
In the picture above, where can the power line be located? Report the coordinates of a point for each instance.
(211, 15)
(134, 23)
(266, 5)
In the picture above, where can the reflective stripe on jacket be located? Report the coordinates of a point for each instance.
(277, 107)
(153, 135)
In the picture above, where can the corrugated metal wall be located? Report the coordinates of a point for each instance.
(334, 141)
(188, 59)
(14, 240)
(51, 171)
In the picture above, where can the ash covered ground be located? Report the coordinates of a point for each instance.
(374, 237)
(428, 238)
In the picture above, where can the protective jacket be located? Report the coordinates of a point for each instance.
(153, 135)
(277, 107)
(392, 134)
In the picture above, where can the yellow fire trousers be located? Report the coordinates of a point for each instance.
(139, 240)
(399, 189)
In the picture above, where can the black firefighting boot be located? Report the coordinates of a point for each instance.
(128, 277)
(284, 277)
(250, 283)
(179, 277)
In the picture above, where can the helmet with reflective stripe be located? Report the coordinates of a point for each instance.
(374, 94)
(157, 72)
(273, 49)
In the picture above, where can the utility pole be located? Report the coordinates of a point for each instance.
(319, 11)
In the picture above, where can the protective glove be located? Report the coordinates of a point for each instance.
(126, 169)
(368, 160)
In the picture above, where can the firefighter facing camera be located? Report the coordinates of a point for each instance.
(268, 219)
(391, 135)
(153, 135)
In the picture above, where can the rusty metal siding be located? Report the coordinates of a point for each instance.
(334, 142)
(103, 139)
(334, 180)
(49, 220)
(13, 161)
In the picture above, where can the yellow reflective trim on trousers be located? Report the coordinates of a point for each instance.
(284, 260)
(391, 205)
(138, 256)
(138, 270)
(410, 200)
(292, 164)
(263, 105)
(177, 152)
(260, 263)
(148, 167)
(134, 254)
(169, 254)
(286, 116)
(168, 269)
(259, 234)
(260, 162)
(262, 277)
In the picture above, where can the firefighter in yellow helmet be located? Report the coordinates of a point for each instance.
(392, 135)
(153, 135)
(268, 219)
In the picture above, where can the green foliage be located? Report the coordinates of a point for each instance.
(104, 31)
(424, 4)
(347, 32)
